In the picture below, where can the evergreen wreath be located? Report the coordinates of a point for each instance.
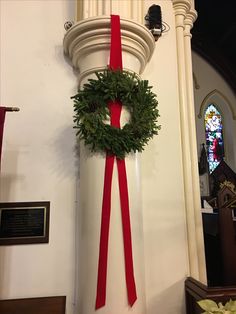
(91, 110)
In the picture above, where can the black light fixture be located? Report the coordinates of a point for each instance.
(154, 21)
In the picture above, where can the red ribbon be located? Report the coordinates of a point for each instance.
(115, 112)
(2, 120)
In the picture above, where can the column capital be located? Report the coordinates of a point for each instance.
(87, 43)
(189, 21)
(190, 17)
(181, 7)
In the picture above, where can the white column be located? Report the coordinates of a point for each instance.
(87, 43)
(188, 137)
(189, 20)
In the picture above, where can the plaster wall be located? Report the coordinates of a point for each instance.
(39, 158)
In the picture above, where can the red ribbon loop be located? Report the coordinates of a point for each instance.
(115, 112)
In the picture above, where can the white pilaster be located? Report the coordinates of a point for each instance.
(87, 44)
(189, 20)
(184, 18)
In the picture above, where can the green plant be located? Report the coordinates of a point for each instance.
(211, 307)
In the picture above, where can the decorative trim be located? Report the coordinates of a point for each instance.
(206, 99)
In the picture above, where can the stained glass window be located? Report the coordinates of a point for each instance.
(214, 136)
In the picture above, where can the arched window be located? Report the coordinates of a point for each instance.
(214, 136)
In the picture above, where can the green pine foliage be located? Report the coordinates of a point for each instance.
(91, 110)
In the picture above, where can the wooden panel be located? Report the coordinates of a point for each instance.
(48, 305)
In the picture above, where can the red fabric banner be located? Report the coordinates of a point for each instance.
(115, 112)
(2, 120)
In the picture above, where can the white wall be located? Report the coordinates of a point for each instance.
(39, 145)
(209, 80)
(39, 160)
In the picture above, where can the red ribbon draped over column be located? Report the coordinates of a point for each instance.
(115, 112)
(2, 120)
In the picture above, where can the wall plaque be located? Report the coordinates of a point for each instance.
(24, 223)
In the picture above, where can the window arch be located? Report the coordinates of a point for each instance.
(214, 136)
(228, 114)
